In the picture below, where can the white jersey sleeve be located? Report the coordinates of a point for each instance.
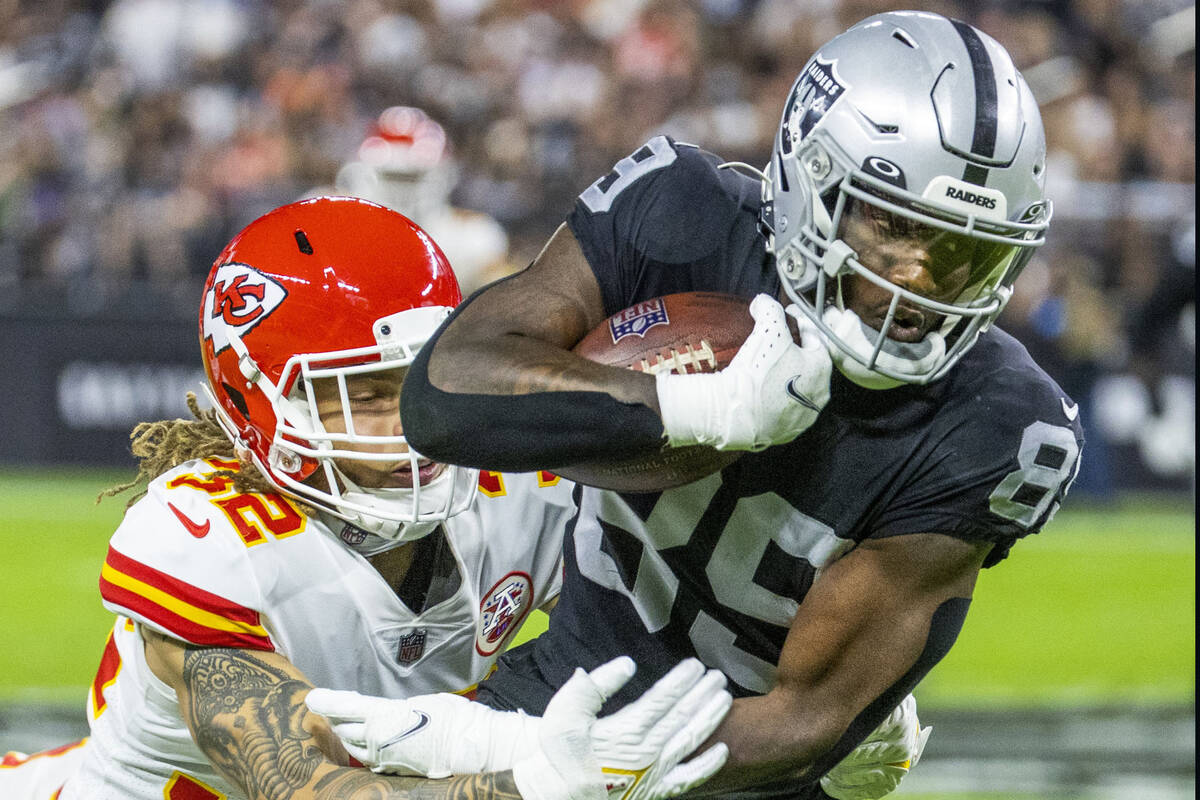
(179, 561)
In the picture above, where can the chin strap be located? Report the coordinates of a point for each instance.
(915, 359)
(366, 543)
(450, 493)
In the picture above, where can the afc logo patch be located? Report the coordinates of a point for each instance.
(411, 647)
(637, 319)
(502, 610)
(239, 298)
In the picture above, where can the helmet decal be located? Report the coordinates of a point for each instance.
(983, 137)
(885, 170)
(240, 298)
(816, 92)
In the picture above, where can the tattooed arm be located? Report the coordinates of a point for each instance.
(245, 709)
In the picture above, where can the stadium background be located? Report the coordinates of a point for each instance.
(137, 136)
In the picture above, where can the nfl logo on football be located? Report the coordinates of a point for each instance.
(412, 647)
(637, 319)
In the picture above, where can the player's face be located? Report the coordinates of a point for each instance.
(375, 411)
(926, 261)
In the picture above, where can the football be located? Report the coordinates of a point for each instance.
(685, 333)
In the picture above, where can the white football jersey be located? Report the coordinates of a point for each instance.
(475, 244)
(200, 562)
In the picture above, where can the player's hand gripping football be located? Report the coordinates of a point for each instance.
(769, 394)
(876, 767)
(636, 753)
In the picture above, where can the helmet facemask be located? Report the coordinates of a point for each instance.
(421, 194)
(817, 259)
(404, 164)
(304, 454)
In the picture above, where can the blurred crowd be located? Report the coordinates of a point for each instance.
(137, 136)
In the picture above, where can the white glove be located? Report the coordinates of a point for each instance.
(435, 735)
(769, 394)
(566, 755)
(634, 754)
(876, 767)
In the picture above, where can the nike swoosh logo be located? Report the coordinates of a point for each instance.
(1072, 411)
(199, 531)
(416, 726)
(800, 398)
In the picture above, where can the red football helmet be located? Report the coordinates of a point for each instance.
(326, 288)
(404, 163)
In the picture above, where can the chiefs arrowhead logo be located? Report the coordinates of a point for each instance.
(239, 298)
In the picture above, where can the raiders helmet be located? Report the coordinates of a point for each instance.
(924, 118)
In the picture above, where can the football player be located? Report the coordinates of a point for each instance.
(405, 163)
(290, 538)
(830, 568)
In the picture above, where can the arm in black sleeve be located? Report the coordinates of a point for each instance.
(521, 433)
(498, 387)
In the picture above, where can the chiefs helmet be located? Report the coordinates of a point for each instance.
(919, 117)
(404, 163)
(323, 289)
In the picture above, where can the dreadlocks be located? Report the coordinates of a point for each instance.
(163, 445)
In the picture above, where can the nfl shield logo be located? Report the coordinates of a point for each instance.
(412, 647)
(637, 319)
(352, 535)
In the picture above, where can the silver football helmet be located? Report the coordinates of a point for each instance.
(926, 119)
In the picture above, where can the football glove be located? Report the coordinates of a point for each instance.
(770, 393)
(635, 753)
(435, 735)
(566, 755)
(876, 767)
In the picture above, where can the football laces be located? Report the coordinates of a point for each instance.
(677, 362)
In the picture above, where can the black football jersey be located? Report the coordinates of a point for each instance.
(717, 568)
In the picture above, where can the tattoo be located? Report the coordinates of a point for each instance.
(247, 717)
(360, 784)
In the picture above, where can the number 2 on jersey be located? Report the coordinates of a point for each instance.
(252, 515)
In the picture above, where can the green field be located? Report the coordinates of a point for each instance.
(1098, 609)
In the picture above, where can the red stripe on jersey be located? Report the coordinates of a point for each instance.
(13, 759)
(187, 611)
(192, 595)
(106, 673)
